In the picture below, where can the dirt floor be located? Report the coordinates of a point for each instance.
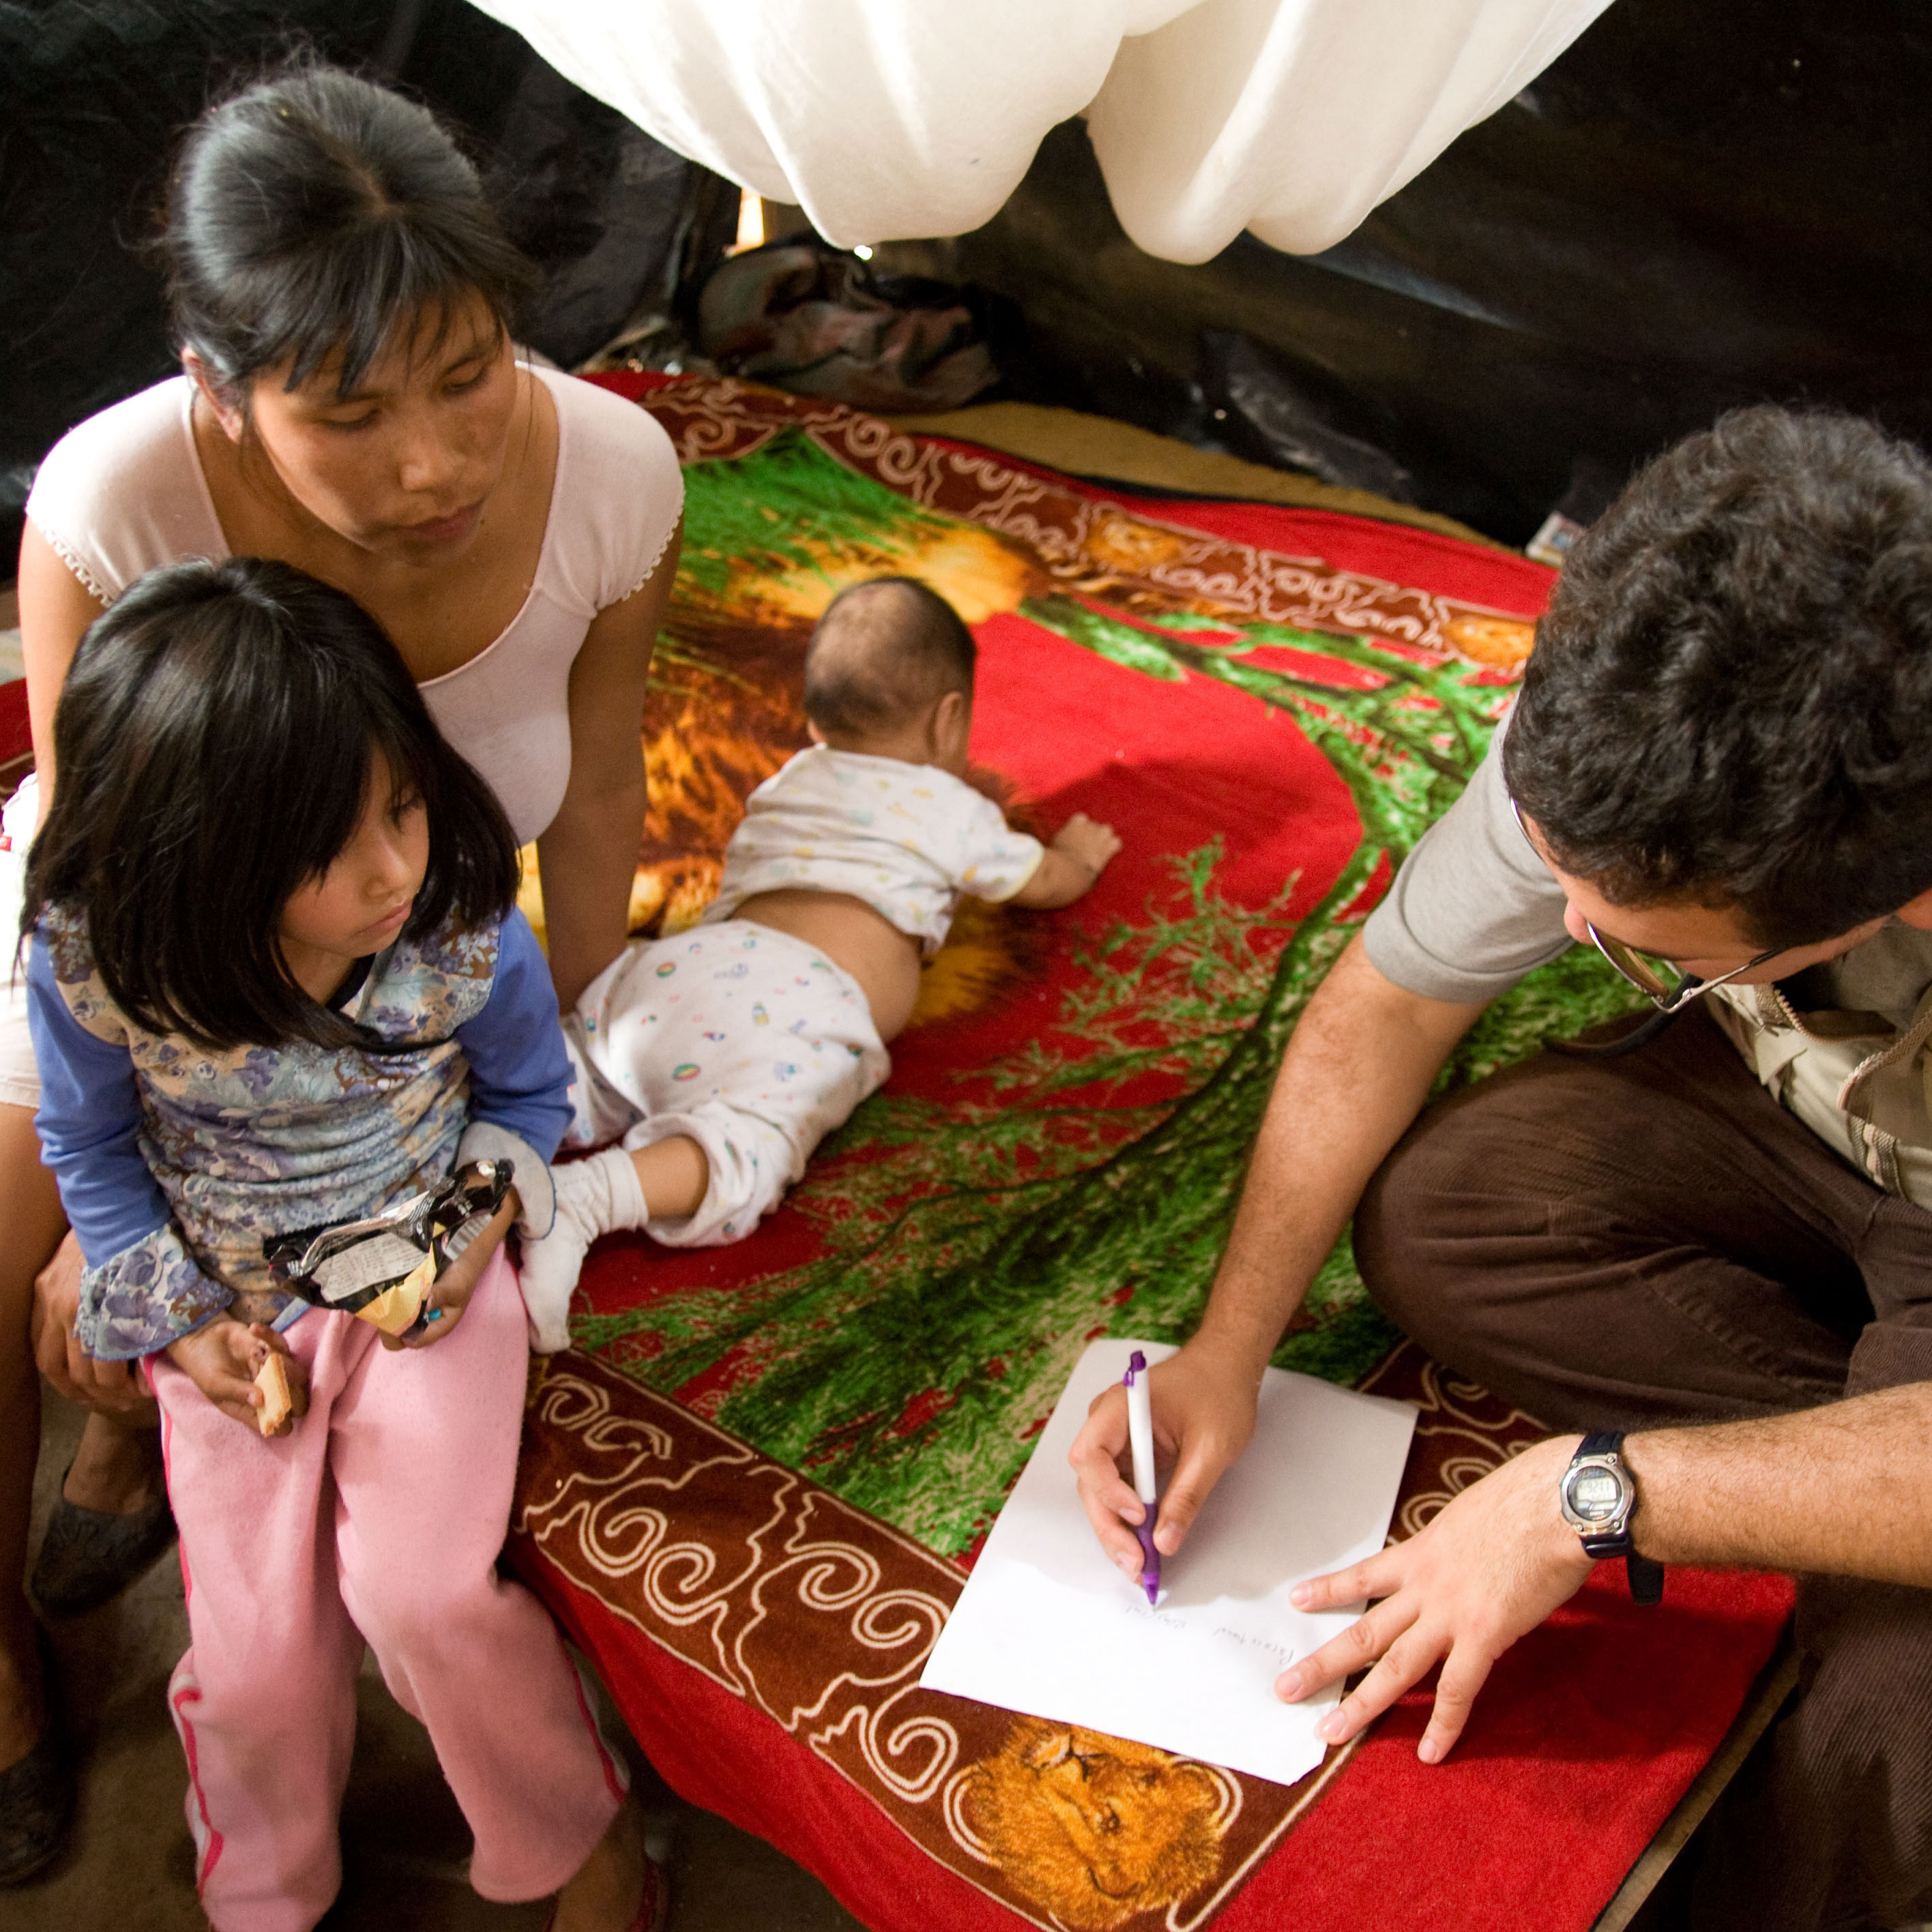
(129, 1863)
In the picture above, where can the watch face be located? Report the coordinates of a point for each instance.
(1596, 1494)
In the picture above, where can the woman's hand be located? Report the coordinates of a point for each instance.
(449, 1294)
(222, 1359)
(115, 1388)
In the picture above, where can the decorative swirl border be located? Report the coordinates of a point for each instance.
(1165, 564)
(822, 1617)
(1462, 1432)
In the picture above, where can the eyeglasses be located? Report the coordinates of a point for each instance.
(1662, 981)
(1666, 985)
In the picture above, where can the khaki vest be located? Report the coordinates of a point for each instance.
(1861, 1083)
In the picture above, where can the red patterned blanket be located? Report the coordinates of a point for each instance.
(754, 1492)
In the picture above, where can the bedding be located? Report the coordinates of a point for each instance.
(753, 1488)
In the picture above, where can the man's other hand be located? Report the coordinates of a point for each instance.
(1493, 1564)
(1204, 1414)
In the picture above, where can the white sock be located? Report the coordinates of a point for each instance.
(597, 1196)
(606, 1196)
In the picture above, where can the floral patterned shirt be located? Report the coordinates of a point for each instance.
(176, 1163)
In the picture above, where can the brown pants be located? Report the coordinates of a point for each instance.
(1615, 1243)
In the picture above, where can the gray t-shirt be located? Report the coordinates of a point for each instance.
(1474, 908)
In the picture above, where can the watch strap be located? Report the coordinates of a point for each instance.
(1646, 1578)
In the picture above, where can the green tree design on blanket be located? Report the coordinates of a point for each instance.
(972, 1247)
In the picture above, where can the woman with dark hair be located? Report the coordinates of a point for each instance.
(351, 403)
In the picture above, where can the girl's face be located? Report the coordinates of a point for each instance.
(403, 467)
(363, 900)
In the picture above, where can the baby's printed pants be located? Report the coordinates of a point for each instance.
(748, 1041)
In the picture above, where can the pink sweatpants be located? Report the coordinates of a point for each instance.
(378, 1518)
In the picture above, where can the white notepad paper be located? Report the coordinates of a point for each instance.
(1047, 1625)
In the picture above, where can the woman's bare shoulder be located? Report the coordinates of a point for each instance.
(619, 492)
(120, 493)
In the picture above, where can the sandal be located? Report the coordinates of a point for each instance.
(88, 1555)
(653, 1908)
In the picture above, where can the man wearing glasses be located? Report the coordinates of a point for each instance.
(1716, 1237)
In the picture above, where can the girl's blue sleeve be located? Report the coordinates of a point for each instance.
(140, 1289)
(519, 1074)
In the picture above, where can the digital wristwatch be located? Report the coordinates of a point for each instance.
(1598, 1498)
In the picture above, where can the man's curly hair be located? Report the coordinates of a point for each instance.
(1729, 703)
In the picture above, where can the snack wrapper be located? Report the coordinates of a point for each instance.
(381, 1269)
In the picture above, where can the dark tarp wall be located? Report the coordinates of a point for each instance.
(1700, 204)
(93, 94)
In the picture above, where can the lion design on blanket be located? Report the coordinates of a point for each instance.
(1093, 1829)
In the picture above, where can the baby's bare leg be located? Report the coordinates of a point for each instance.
(675, 1175)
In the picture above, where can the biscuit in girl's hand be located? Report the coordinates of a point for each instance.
(278, 1403)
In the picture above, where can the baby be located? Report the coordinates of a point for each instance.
(721, 1057)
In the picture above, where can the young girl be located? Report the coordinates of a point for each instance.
(278, 982)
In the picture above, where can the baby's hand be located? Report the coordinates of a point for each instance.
(1087, 842)
(222, 1358)
(1080, 851)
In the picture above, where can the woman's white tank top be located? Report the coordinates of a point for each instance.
(123, 493)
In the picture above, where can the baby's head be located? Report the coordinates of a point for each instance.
(889, 672)
(221, 738)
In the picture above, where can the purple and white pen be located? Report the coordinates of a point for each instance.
(1140, 1438)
